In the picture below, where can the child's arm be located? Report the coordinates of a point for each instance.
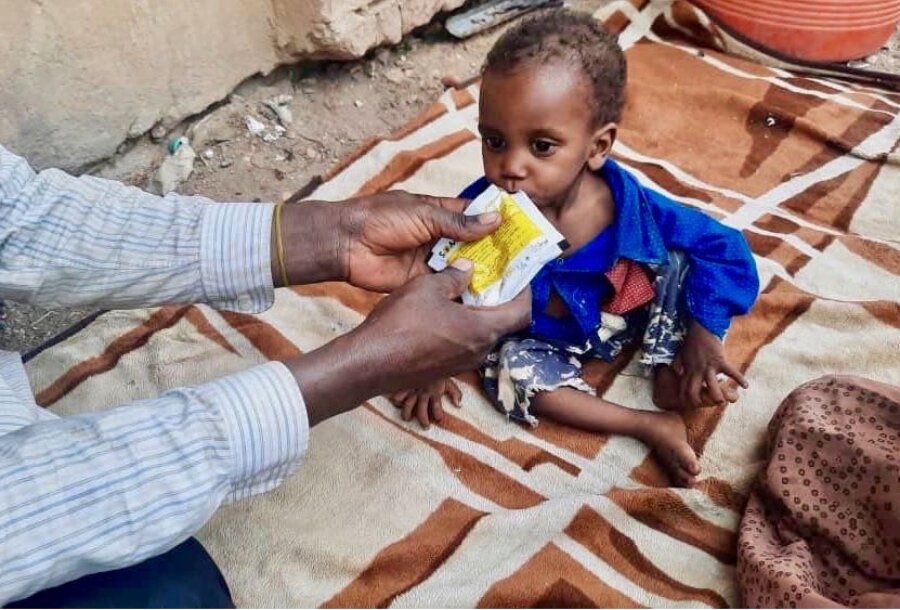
(427, 402)
(721, 283)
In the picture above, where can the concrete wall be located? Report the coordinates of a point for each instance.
(78, 77)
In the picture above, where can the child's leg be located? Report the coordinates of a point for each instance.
(665, 433)
(667, 391)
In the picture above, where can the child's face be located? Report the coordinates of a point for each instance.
(538, 132)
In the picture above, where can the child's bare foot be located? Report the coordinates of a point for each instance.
(667, 436)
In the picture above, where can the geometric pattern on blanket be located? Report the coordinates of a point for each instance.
(478, 511)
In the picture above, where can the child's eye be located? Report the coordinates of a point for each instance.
(543, 147)
(493, 142)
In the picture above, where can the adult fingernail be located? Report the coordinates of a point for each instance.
(488, 218)
(462, 264)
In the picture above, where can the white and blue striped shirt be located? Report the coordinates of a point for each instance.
(97, 492)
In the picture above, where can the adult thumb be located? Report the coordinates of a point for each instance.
(460, 227)
(455, 278)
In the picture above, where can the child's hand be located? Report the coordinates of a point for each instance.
(427, 402)
(698, 363)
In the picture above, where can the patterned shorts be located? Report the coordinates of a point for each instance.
(523, 366)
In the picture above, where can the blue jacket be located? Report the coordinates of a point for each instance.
(722, 281)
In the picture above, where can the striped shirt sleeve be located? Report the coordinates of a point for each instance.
(93, 493)
(67, 241)
(97, 492)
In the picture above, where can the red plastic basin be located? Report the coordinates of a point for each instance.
(813, 30)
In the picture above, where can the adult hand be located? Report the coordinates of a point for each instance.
(378, 242)
(415, 336)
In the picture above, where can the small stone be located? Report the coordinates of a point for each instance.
(358, 103)
(226, 163)
(281, 106)
(208, 153)
(254, 126)
(311, 153)
(394, 75)
(158, 133)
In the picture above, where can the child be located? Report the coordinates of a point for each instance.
(640, 267)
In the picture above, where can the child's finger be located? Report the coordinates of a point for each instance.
(437, 408)
(397, 398)
(712, 385)
(731, 394)
(422, 410)
(454, 393)
(677, 366)
(695, 386)
(735, 374)
(408, 406)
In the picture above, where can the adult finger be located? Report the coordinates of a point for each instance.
(422, 410)
(735, 374)
(454, 393)
(509, 317)
(712, 385)
(451, 204)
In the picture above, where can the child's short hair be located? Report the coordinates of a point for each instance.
(572, 38)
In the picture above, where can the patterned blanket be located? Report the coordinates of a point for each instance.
(481, 512)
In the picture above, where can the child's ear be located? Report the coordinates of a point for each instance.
(602, 142)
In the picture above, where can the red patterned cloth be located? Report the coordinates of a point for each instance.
(631, 287)
(822, 527)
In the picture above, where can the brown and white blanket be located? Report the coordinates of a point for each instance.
(480, 512)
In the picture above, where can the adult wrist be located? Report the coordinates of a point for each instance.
(340, 375)
(315, 243)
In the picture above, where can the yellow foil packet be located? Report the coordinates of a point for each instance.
(507, 260)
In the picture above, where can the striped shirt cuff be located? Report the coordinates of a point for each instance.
(235, 256)
(265, 423)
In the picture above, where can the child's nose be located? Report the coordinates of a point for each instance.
(512, 170)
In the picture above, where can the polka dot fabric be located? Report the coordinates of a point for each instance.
(822, 527)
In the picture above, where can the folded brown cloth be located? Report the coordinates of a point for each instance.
(822, 528)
